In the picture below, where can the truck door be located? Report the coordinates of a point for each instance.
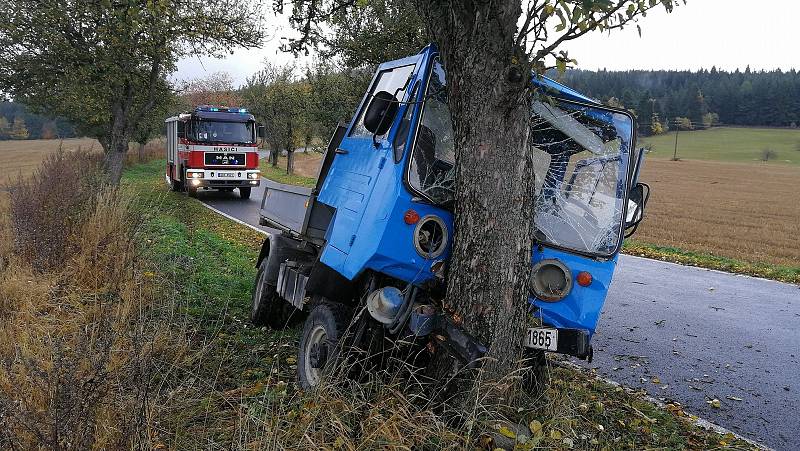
(352, 175)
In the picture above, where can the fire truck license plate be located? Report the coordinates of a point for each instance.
(224, 174)
(541, 338)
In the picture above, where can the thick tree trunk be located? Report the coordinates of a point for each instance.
(490, 107)
(141, 152)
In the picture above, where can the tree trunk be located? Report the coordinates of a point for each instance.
(489, 101)
(289, 161)
(141, 152)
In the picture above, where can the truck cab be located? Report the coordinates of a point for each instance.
(376, 230)
(212, 147)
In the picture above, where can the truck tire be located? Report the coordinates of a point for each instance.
(320, 340)
(535, 378)
(175, 185)
(268, 309)
(244, 193)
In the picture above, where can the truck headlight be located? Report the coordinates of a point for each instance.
(551, 280)
(253, 175)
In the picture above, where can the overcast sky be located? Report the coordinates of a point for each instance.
(727, 33)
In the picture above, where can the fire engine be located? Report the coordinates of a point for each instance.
(212, 148)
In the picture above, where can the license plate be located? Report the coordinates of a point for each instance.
(224, 174)
(542, 338)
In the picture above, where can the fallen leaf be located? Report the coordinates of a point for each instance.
(714, 403)
(734, 398)
(536, 428)
(507, 432)
(555, 434)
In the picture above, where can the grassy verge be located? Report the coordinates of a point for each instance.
(237, 389)
(279, 175)
(675, 255)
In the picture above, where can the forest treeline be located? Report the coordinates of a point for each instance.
(18, 122)
(662, 100)
(696, 99)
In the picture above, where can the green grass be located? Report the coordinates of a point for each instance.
(728, 144)
(278, 174)
(789, 274)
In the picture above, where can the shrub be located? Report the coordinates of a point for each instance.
(82, 340)
(47, 208)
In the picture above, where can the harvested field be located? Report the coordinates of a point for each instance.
(742, 211)
(23, 157)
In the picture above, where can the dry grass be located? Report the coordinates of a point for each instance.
(81, 342)
(741, 211)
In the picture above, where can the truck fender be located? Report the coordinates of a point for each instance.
(276, 249)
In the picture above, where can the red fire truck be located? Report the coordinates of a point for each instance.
(212, 148)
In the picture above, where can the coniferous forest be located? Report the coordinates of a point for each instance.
(691, 100)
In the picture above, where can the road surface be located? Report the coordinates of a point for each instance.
(689, 335)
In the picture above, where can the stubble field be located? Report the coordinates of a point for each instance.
(23, 157)
(743, 211)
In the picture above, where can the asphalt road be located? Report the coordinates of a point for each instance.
(689, 335)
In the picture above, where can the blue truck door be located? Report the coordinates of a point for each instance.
(352, 176)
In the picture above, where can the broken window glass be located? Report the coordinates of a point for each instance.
(431, 171)
(581, 157)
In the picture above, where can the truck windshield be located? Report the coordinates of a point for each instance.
(581, 156)
(219, 132)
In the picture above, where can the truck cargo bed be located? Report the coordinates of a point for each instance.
(294, 210)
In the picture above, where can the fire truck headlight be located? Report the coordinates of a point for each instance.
(253, 175)
(195, 182)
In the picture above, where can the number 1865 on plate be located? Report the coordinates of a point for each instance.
(542, 338)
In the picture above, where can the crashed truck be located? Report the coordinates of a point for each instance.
(366, 249)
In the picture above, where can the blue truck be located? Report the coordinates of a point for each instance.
(366, 249)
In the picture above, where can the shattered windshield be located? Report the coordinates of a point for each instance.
(219, 132)
(581, 156)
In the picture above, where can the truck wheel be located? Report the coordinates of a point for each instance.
(175, 185)
(268, 309)
(244, 193)
(535, 378)
(319, 342)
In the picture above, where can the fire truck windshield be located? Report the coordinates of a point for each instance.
(223, 132)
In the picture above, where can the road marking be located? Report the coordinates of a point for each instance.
(264, 232)
(701, 422)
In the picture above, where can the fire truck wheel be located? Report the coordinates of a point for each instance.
(244, 193)
(319, 341)
(535, 378)
(175, 185)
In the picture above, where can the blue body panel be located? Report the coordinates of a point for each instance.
(366, 187)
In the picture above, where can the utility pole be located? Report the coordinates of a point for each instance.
(675, 152)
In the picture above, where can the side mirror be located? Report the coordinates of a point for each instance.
(380, 113)
(261, 131)
(637, 200)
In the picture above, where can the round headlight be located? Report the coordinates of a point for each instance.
(551, 280)
(430, 236)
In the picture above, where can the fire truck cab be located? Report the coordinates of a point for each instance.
(212, 148)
